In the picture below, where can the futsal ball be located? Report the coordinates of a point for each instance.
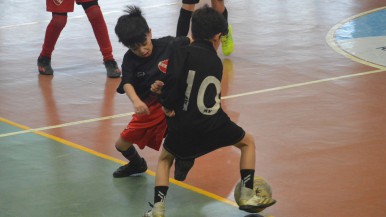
(260, 187)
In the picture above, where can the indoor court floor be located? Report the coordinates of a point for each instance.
(307, 79)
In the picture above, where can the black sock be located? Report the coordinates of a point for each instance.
(247, 178)
(132, 155)
(183, 23)
(225, 14)
(160, 193)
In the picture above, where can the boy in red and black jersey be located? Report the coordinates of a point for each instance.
(145, 62)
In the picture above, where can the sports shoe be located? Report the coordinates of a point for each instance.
(112, 68)
(253, 202)
(130, 169)
(158, 210)
(182, 168)
(227, 42)
(44, 66)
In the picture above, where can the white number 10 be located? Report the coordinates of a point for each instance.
(201, 92)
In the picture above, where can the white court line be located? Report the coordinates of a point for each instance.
(303, 84)
(82, 16)
(223, 98)
(66, 124)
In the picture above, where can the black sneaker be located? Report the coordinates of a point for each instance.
(44, 66)
(112, 69)
(130, 169)
(181, 168)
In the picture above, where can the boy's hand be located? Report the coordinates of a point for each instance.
(157, 86)
(141, 108)
(169, 113)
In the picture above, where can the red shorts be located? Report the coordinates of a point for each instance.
(147, 130)
(151, 136)
(63, 6)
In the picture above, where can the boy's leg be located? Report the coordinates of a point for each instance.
(227, 44)
(219, 6)
(182, 167)
(249, 200)
(53, 30)
(165, 161)
(186, 12)
(95, 16)
(136, 163)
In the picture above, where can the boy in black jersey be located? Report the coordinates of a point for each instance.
(197, 125)
(145, 62)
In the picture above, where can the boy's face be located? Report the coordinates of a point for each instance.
(145, 49)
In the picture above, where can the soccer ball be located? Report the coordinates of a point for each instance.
(260, 187)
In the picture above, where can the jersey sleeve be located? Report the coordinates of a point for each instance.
(175, 79)
(181, 41)
(128, 70)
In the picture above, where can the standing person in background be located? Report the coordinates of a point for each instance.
(145, 62)
(59, 9)
(186, 12)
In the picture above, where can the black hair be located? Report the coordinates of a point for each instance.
(206, 23)
(132, 28)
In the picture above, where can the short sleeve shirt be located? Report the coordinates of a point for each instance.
(142, 72)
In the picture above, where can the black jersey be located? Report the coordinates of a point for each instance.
(142, 72)
(193, 90)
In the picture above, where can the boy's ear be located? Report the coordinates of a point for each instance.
(150, 34)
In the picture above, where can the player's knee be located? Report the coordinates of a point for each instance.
(94, 13)
(59, 20)
(122, 145)
(166, 156)
(247, 142)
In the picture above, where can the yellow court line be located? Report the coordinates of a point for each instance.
(223, 98)
(107, 157)
(330, 39)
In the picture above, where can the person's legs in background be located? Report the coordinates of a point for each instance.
(53, 30)
(95, 16)
(227, 44)
(183, 24)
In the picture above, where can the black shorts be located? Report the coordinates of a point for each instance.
(192, 144)
(191, 2)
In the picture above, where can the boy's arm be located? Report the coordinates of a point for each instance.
(139, 106)
(174, 83)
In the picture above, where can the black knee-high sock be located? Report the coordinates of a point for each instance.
(132, 155)
(247, 178)
(160, 193)
(225, 14)
(183, 23)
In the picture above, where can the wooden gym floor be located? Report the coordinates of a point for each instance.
(302, 80)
